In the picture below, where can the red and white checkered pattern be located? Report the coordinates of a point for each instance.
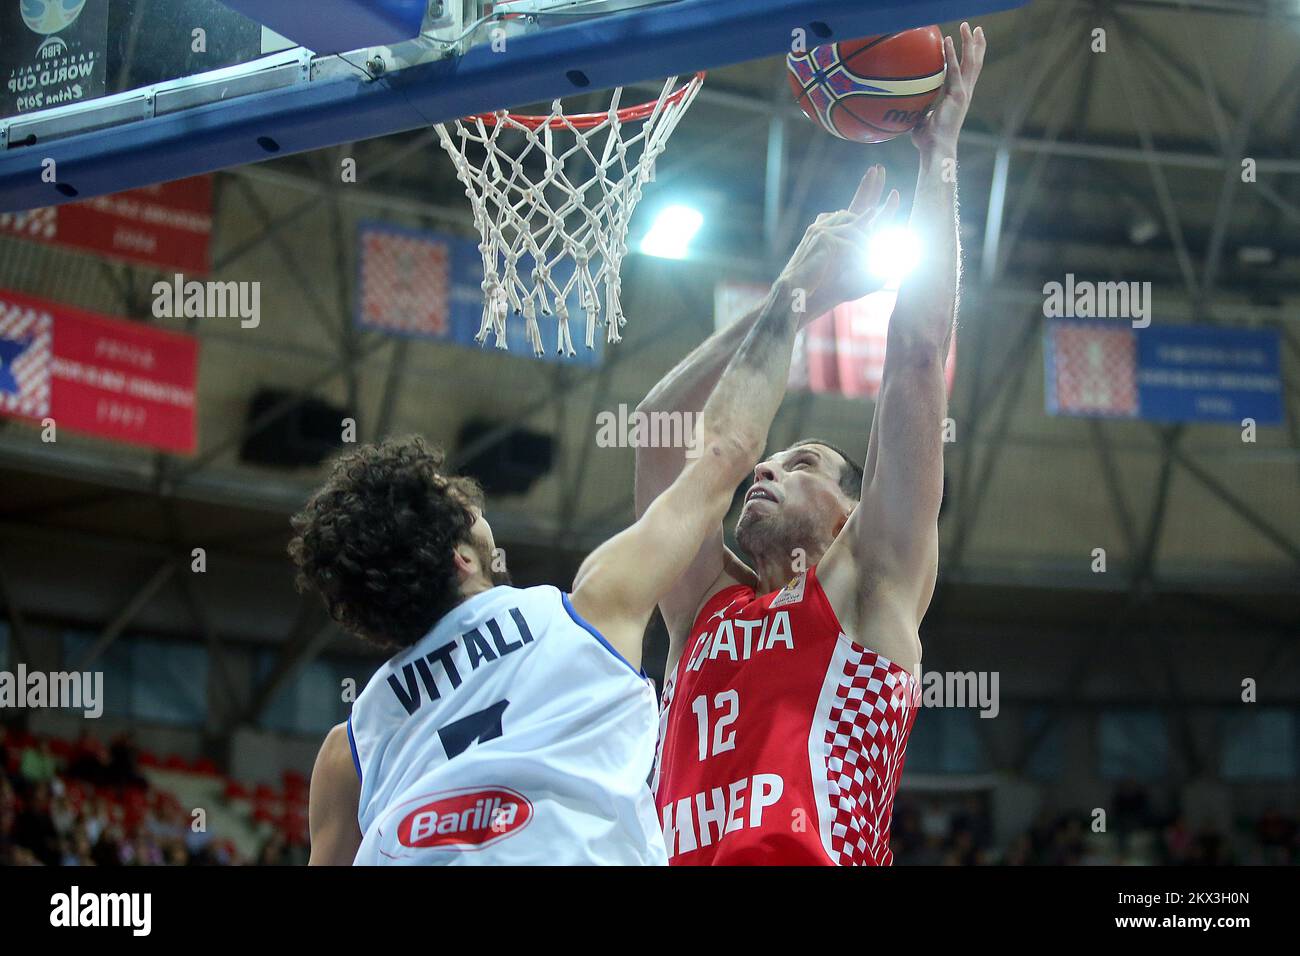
(34, 224)
(865, 731)
(1095, 369)
(24, 324)
(405, 284)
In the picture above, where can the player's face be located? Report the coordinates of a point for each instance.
(795, 501)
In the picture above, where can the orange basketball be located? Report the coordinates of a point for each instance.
(871, 89)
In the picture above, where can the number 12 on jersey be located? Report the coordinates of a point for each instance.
(726, 708)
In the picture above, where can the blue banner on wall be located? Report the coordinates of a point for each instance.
(429, 285)
(1204, 374)
(1181, 373)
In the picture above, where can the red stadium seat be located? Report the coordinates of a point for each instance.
(235, 790)
(206, 766)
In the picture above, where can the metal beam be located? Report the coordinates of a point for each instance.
(1232, 164)
(137, 603)
(1239, 507)
(1167, 207)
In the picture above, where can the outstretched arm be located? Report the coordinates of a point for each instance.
(880, 572)
(618, 586)
(815, 272)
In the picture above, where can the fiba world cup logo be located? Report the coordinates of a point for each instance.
(50, 16)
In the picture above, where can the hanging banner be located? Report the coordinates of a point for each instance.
(428, 285)
(1181, 373)
(119, 380)
(168, 226)
(840, 353)
(52, 53)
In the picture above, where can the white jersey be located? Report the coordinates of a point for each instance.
(512, 733)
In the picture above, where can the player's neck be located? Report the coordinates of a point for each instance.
(473, 586)
(776, 568)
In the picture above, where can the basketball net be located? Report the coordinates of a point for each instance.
(546, 189)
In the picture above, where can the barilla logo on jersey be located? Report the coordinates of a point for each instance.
(468, 820)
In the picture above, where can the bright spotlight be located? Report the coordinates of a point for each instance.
(892, 253)
(670, 237)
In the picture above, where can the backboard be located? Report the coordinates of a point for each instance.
(107, 96)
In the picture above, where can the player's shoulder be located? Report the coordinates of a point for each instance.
(334, 762)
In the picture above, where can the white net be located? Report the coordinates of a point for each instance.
(552, 189)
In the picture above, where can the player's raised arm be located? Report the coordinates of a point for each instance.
(815, 274)
(688, 386)
(619, 585)
(888, 553)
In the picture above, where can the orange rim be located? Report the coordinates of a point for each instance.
(628, 114)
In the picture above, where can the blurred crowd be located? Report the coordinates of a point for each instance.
(959, 832)
(91, 804)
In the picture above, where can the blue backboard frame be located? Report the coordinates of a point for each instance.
(305, 108)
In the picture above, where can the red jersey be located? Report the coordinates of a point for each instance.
(781, 741)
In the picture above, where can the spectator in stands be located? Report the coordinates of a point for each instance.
(38, 764)
(62, 815)
(1130, 811)
(273, 852)
(1277, 836)
(76, 850)
(8, 815)
(124, 763)
(34, 830)
(89, 761)
(1020, 852)
(1177, 842)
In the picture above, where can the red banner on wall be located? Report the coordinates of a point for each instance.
(168, 226)
(89, 373)
(845, 349)
(839, 353)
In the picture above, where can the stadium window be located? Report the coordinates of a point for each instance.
(153, 681)
(311, 704)
(169, 682)
(946, 741)
(1133, 744)
(1258, 744)
(1047, 760)
(115, 664)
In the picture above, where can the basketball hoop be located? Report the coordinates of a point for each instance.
(542, 215)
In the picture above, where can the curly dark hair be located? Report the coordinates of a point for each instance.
(376, 540)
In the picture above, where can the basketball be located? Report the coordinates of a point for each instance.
(871, 89)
